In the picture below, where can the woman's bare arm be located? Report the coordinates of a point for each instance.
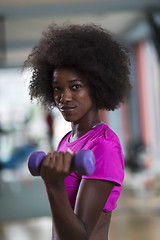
(91, 199)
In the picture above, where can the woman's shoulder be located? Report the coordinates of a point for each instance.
(103, 133)
(64, 139)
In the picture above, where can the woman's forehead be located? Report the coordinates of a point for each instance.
(69, 74)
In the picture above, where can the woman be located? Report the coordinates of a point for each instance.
(80, 69)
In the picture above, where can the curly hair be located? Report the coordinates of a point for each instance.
(90, 50)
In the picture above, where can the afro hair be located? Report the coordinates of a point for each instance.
(90, 50)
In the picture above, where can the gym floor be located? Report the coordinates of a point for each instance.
(136, 218)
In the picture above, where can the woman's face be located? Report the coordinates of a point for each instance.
(72, 95)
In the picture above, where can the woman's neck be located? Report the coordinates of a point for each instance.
(79, 129)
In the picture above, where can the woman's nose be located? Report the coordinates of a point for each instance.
(66, 96)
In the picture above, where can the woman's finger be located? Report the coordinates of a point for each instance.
(59, 161)
(53, 159)
(67, 162)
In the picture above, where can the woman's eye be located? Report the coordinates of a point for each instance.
(77, 86)
(56, 89)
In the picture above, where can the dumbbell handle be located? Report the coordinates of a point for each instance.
(83, 162)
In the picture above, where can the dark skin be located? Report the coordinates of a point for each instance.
(87, 221)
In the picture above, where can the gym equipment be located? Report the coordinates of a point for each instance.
(83, 162)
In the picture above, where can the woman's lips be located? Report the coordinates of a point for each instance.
(67, 109)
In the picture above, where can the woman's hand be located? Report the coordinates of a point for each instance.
(55, 167)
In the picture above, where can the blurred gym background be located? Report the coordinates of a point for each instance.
(26, 126)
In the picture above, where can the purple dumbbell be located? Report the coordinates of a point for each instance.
(83, 162)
